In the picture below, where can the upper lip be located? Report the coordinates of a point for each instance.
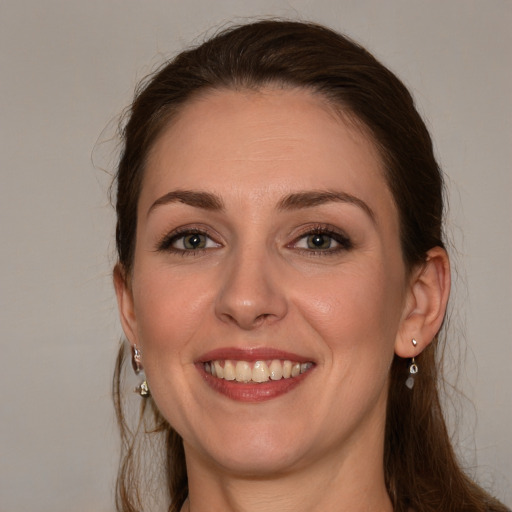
(251, 354)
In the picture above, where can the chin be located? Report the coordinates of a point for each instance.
(253, 454)
(257, 465)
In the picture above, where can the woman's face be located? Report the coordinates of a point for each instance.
(267, 245)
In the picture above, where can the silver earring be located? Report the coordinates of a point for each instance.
(413, 370)
(414, 343)
(136, 360)
(143, 389)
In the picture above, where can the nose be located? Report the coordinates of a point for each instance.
(252, 292)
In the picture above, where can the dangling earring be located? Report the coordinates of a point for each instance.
(413, 370)
(142, 389)
(136, 360)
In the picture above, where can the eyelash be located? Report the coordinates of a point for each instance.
(166, 244)
(344, 243)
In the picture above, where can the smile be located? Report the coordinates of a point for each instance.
(255, 371)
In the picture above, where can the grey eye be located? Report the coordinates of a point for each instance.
(319, 241)
(193, 242)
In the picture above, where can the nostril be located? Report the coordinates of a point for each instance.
(261, 318)
(247, 321)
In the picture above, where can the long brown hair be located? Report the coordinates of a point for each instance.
(421, 469)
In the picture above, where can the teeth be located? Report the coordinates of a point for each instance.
(219, 371)
(287, 369)
(304, 367)
(229, 371)
(259, 371)
(243, 371)
(276, 370)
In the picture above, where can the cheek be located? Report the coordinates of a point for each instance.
(354, 310)
(168, 307)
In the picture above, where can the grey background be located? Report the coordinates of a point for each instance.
(68, 68)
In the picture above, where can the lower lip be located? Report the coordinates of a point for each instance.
(252, 391)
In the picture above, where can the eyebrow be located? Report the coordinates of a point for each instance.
(309, 199)
(294, 201)
(197, 199)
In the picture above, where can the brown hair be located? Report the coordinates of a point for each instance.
(420, 466)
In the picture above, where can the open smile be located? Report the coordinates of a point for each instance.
(257, 371)
(253, 375)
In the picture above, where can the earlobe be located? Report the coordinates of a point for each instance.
(125, 304)
(425, 304)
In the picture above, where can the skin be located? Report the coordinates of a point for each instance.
(257, 284)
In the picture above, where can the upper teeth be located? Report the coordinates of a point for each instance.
(258, 371)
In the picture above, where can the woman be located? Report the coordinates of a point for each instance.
(282, 281)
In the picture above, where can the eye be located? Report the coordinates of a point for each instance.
(317, 241)
(187, 242)
(191, 242)
(323, 241)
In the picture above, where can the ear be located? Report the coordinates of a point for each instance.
(425, 304)
(125, 304)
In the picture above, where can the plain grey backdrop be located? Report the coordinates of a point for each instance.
(68, 68)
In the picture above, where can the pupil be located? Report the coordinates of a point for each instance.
(193, 241)
(319, 241)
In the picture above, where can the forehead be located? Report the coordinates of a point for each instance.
(265, 142)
